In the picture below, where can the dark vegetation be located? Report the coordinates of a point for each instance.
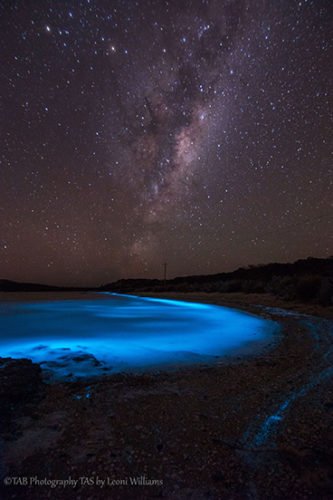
(307, 280)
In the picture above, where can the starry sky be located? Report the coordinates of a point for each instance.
(135, 133)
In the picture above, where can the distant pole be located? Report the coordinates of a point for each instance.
(165, 265)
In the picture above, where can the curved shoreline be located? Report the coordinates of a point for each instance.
(200, 429)
(114, 333)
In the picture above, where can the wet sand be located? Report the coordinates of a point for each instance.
(259, 427)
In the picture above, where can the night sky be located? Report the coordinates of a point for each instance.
(133, 133)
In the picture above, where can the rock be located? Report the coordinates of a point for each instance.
(19, 380)
(86, 357)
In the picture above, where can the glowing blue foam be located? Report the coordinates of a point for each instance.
(113, 333)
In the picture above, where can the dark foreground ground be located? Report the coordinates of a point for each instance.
(261, 427)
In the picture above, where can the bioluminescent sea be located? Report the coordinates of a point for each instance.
(113, 333)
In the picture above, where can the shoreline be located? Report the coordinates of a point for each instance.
(249, 302)
(254, 303)
(255, 428)
(243, 335)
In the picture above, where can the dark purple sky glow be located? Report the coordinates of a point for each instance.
(138, 132)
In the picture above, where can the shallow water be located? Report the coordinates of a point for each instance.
(114, 333)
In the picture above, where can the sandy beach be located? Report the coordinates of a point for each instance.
(166, 250)
(258, 427)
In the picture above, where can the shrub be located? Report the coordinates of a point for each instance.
(308, 287)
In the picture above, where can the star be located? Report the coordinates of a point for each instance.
(182, 131)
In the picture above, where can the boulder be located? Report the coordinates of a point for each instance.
(19, 380)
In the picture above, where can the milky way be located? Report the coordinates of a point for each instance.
(136, 133)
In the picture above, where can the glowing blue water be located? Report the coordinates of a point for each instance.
(113, 333)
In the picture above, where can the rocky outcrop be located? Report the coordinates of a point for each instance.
(20, 380)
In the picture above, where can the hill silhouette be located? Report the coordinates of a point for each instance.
(16, 286)
(305, 280)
